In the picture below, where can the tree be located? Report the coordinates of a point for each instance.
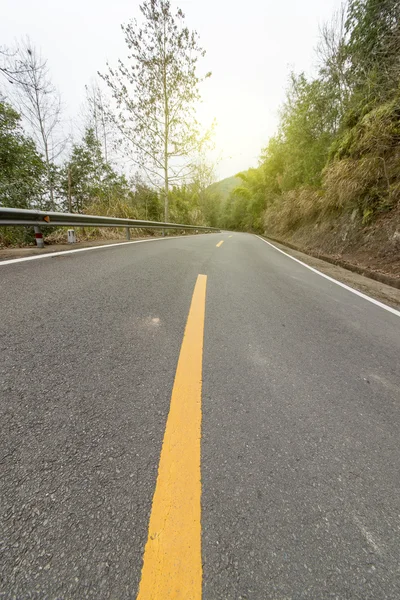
(87, 178)
(156, 95)
(307, 127)
(82, 173)
(147, 201)
(373, 30)
(39, 104)
(22, 169)
(333, 55)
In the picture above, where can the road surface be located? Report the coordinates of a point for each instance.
(298, 412)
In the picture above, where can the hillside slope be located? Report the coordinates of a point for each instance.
(224, 187)
(329, 180)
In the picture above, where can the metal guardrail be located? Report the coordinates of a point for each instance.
(18, 216)
(39, 218)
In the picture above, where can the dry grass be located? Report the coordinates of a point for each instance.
(292, 209)
(369, 184)
(114, 207)
(344, 183)
(86, 234)
(364, 175)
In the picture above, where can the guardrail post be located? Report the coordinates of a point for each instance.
(71, 237)
(38, 237)
(128, 233)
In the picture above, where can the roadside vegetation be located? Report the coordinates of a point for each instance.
(336, 154)
(136, 151)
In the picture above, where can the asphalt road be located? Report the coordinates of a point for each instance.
(300, 448)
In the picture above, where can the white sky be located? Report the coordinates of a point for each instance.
(251, 47)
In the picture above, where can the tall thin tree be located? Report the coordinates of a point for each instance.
(156, 95)
(96, 116)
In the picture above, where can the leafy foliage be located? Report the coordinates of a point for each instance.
(87, 178)
(22, 169)
(337, 147)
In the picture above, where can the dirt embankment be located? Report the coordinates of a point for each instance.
(372, 250)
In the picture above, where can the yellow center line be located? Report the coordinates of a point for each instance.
(172, 568)
(220, 243)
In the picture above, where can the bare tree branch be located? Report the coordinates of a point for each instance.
(38, 102)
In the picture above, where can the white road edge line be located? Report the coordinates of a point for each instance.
(343, 285)
(11, 261)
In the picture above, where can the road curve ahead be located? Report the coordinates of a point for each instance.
(186, 419)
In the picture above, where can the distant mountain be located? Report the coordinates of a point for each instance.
(224, 187)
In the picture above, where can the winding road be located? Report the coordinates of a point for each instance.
(196, 417)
